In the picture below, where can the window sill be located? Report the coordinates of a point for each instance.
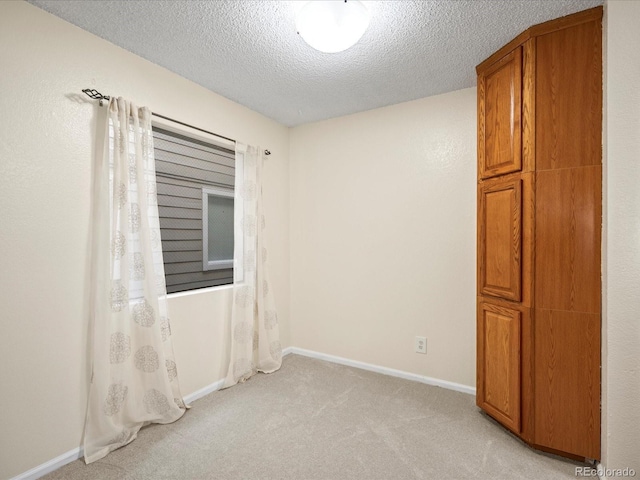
(199, 291)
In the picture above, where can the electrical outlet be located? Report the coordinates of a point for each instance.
(421, 344)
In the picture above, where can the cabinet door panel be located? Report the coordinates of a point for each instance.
(499, 382)
(569, 97)
(500, 116)
(568, 228)
(500, 240)
(567, 382)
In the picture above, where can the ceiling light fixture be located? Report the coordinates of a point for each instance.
(332, 26)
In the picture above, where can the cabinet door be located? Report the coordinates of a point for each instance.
(499, 238)
(567, 381)
(499, 383)
(500, 116)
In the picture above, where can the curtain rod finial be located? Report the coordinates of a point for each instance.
(95, 95)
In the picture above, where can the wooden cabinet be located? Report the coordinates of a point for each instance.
(539, 228)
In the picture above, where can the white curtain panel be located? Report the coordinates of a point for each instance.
(255, 338)
(134, 380)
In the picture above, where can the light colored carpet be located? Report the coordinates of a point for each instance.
(315, 420)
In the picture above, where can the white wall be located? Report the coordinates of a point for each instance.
(621, 247)
(47, 129)
(383, 215)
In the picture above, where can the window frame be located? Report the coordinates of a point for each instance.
(207, 264)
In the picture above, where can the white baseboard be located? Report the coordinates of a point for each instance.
(287, 351)
(77, 453)
(51, 465)
(458, 387)
(192, 397)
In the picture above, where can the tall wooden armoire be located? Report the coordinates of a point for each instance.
(539, 228)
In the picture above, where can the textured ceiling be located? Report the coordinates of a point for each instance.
(249, 52)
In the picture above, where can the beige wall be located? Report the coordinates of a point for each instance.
(47, 128)
(621, 246)
(376, 210)
(383, 207)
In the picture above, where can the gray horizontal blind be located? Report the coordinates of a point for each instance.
(183, 166)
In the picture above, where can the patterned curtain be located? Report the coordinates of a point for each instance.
(255, 339)
(134, 380)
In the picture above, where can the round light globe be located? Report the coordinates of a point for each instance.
(332, 26)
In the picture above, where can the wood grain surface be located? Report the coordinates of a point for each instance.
(567, 239)
(569, 97)
(500, 240)
(567, 381)
(499, 384)
(500, 110)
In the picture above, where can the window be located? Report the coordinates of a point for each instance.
(217, 228)
(195, 181)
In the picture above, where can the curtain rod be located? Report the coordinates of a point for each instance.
(95, 95)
